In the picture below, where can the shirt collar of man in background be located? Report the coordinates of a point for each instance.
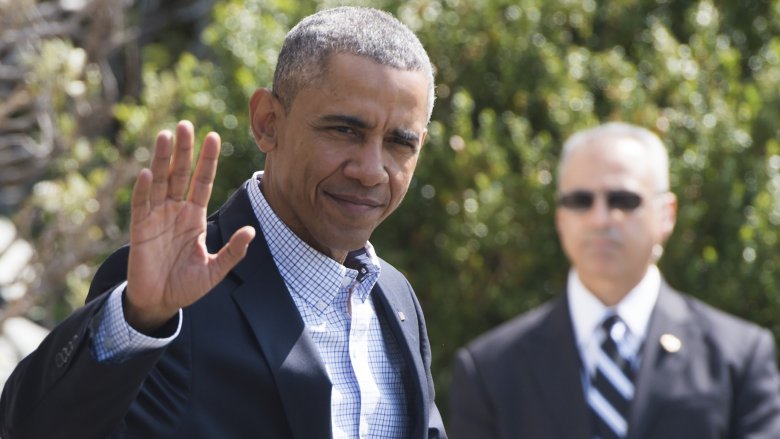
(635, 309)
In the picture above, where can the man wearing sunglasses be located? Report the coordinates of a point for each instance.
(620, 354)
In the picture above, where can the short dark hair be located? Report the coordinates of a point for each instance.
(359, 31)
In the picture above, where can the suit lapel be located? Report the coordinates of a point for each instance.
(557, 366)
(396, 308)
(661, 361)
(263, 298)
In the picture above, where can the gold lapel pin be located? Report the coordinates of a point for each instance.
(401, 315)
(671, 343)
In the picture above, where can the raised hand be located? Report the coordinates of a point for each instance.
(170, 266)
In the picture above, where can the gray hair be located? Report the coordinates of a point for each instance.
(659, 159)
(360, 31)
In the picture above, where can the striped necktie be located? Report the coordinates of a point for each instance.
(612, 384)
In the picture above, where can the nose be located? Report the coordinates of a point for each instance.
(600, 214)
(367, 164)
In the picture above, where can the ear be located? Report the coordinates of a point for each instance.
(263, 116)
(423, 136)
(669, 214)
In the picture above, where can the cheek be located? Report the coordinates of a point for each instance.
(568, 227)
(639, 237)
(320, 164)
(401, 176)
(566, 233)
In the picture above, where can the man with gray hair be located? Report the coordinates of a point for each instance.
(620, 354)
(274, 317)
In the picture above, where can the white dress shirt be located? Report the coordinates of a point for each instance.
(587, 313)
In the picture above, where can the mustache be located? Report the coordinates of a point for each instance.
(610, 234)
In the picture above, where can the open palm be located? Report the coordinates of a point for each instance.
(170, 266)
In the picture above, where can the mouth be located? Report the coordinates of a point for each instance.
(603, 241)
(603, 246)
(355, 204)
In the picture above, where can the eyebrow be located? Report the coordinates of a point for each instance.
(406, 135)
(352, 121)
(356, 122)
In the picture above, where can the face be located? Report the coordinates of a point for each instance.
(610, 244)
(341, 159)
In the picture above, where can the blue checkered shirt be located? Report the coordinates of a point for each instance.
(361, 356)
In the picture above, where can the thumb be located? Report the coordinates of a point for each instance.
(233, 252)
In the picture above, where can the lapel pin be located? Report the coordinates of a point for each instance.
(401, 315)
(671, 343)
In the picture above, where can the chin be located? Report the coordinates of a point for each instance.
(347, 244)
(603, 267)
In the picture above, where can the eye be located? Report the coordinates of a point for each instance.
(623, 200)
(576, 200)
(404, 142)
(343, 129)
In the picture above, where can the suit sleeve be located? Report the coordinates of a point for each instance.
(61, 390)
(757, 396)
(470, 410)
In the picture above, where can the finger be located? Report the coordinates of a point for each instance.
(160, 163)
(182, 160)
(205, 171)
(139, 203)
(232, 253)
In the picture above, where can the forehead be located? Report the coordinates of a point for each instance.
(608, 162)
(360, 87)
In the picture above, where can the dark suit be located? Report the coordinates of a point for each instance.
(242, 367)
(523, 379)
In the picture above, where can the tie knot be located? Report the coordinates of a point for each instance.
(614, 327)
(358, 260)
(609, 321)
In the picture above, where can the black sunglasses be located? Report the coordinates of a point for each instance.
(583, 200)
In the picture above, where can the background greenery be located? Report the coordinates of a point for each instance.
(475, 234)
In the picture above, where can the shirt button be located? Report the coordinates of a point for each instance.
(321, 305)
(345, 281)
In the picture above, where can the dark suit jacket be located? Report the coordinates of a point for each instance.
(242, 367)
(523, 379)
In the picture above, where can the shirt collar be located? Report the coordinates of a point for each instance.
(297, 261)
(635, 309)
